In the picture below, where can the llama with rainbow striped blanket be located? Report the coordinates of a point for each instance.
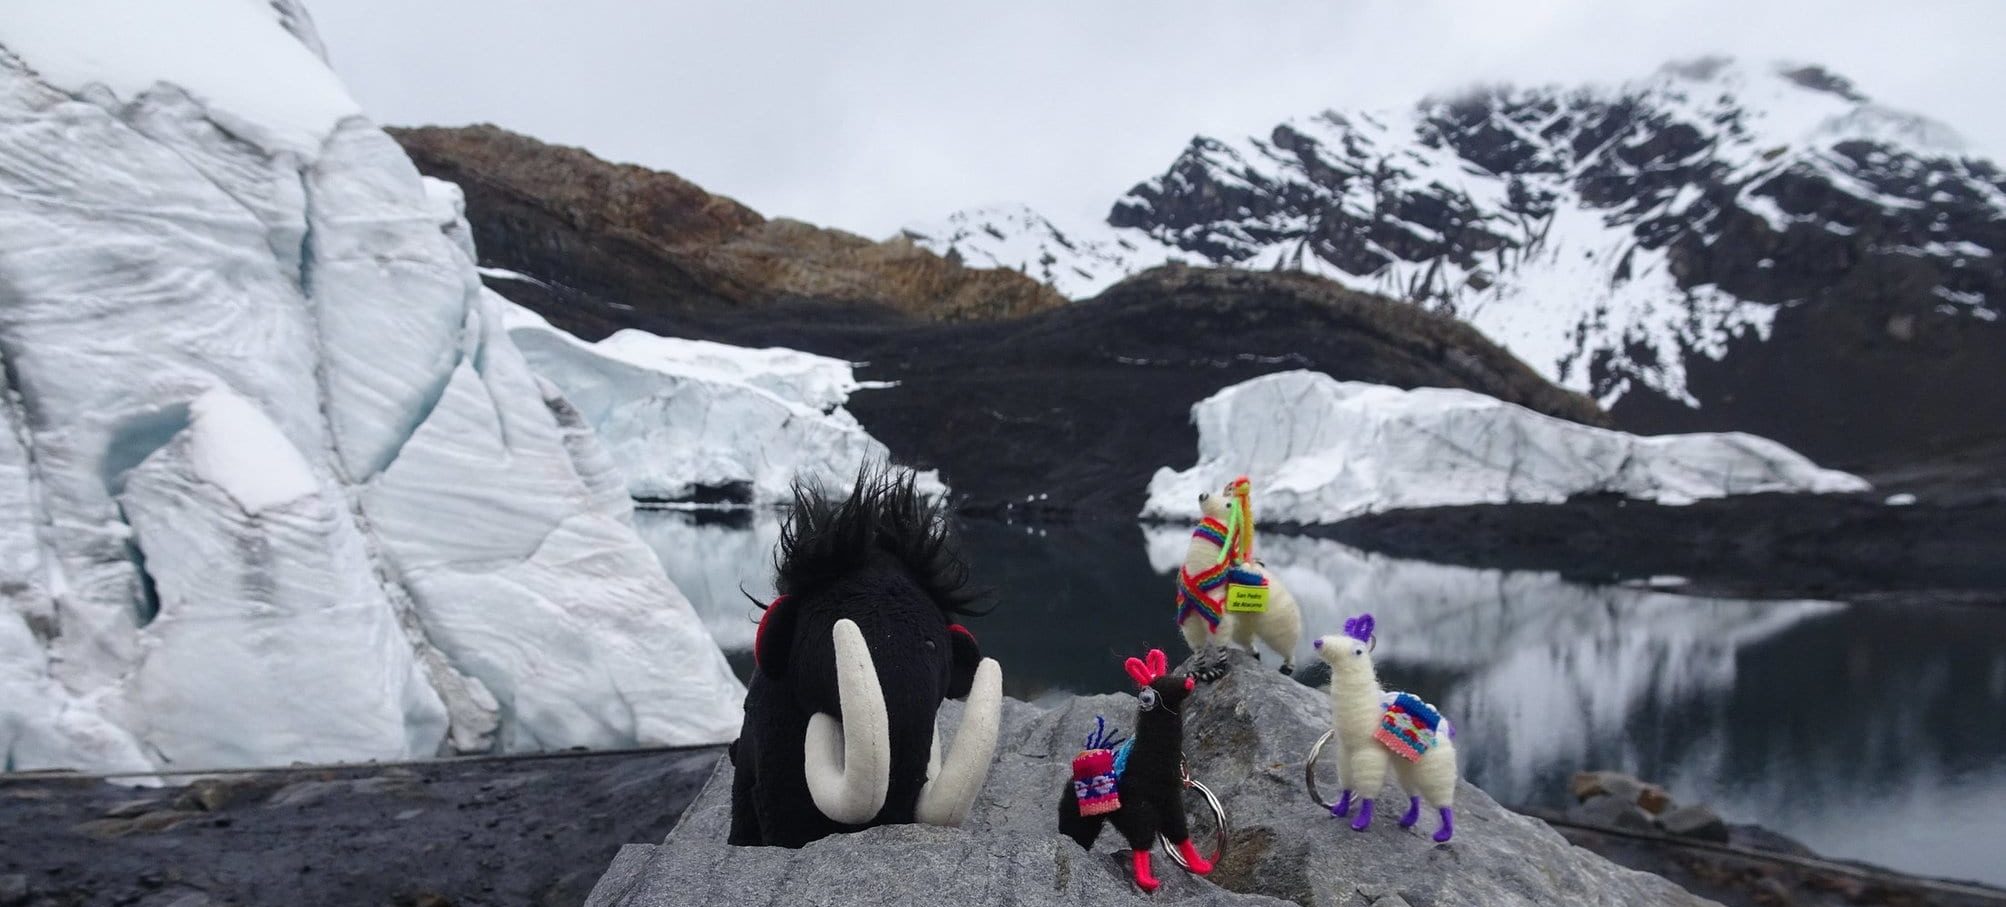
(1224, 594)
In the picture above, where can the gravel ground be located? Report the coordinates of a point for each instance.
(455, 833)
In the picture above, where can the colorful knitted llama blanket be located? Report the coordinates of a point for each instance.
(1408, 726)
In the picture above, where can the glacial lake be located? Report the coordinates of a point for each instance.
(1874, 732)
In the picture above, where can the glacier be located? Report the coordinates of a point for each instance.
(686, 418)
(1320, 450)
(276, 484)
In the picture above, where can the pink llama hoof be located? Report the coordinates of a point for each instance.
(1192, 860)
(1144, 879)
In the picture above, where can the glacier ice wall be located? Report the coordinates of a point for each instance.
(686, 418)
(275, 484)
(1320, 450)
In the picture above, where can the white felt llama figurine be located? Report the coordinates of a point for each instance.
(1376, 729)
(1209, 606)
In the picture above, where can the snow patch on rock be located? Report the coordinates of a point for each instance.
(1321, 450)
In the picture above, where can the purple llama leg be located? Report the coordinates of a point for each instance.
(1364, 819)
(1448, 829)
(1413, 813)
(1342, 807)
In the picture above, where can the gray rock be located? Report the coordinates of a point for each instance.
(218, 794)
(1655, 799)
(308, 793)
(126, 809)
(1589, 785)
(13, 889)
(1695, 822)
(1612, 812)
(191, 899)
(1245, 737)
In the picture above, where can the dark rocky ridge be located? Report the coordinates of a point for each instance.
(1083, 403)
(603, 238)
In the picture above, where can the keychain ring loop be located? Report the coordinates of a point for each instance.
(1309, 768)
(1218, 811)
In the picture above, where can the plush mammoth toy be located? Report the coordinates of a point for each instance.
(852, 662)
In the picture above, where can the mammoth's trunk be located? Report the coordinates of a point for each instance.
(952, 785)
(848, 762)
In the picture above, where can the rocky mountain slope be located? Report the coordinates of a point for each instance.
(1715, 246)
(595, 234)
(1071, 410)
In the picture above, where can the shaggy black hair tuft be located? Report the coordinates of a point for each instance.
(824, 538)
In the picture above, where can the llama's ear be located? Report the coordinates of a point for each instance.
(1159, 664)
(964, 656)
(1137, 671)
(775, 635)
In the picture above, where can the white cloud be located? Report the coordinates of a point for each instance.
(868, 115)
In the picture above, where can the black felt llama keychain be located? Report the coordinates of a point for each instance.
(1137, 784)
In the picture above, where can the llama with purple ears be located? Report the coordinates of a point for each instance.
(1377, 730)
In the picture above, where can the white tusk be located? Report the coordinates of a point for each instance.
(933, 758)
(848, 763)
(950, 792)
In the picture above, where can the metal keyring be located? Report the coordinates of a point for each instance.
(1218, 812)
(1309, 768)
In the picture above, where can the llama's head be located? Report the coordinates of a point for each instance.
(1160, 688)
(1213, 505)
(1350, 650)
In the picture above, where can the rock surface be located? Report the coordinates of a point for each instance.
(590, 231)
(1245, 736)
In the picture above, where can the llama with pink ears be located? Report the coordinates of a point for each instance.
(1377, 730)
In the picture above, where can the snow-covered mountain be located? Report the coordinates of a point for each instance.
(1614, 238)
(691, 421)
(275, 484)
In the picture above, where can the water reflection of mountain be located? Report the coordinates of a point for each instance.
(1824, 721)
(1827, 722)
(1505, 652)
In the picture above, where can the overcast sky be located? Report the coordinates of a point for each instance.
(870, 115)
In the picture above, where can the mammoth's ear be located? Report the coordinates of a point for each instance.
(964, 656)
(775, 634)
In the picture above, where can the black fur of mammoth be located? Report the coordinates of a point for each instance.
(852, 662)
